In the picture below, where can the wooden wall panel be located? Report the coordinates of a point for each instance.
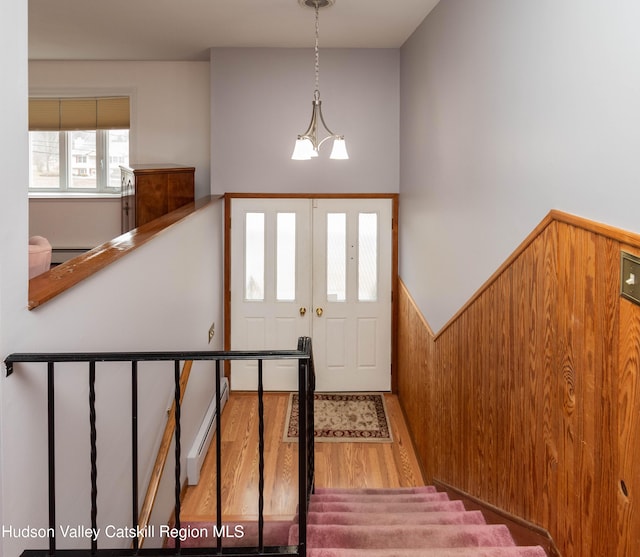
(416, 356)
(604, 401)
(529, 398)
(545, 410)
(628, 430)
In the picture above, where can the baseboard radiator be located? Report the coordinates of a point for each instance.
(60, 255)
(198, 451)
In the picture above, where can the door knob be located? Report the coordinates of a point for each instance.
(303, 311)
(319, 312)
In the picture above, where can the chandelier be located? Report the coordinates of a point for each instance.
(308, 144)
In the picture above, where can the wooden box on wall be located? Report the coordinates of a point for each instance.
(152, 190)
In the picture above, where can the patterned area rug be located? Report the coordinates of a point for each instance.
(346, 417)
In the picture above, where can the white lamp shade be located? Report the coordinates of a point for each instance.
(303, 150)
(339, 150)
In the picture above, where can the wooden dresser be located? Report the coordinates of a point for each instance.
(152, 190)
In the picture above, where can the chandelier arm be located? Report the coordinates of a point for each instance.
(334, 136)
(322, 119)
(312, 131)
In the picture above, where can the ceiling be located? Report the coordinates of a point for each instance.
(186, 29)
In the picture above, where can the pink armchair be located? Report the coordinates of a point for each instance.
(39, 255)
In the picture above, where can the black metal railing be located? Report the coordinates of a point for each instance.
(306, 387)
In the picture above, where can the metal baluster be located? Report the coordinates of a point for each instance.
(261, 458)
(134, 451)
(218, 461)
(176, 375)
(52, 456)
(94, 454)
(311, 388)
(302, 458)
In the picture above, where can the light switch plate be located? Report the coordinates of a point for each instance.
(630, 277)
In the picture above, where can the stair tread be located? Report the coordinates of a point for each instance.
(528, 551)
(409, 536)
(378, 498)
(376, 491)
(434, 517)
(442, 505)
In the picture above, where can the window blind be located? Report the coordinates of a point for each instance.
(101, 113)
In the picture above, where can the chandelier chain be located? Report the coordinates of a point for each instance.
(317, 52)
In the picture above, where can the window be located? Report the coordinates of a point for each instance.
(77, 161)
(78, 144)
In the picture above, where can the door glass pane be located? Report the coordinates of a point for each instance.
(286, 257)
(336, 257)
(368, 257)
(254, 256)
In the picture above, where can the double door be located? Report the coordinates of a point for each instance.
(319, 268)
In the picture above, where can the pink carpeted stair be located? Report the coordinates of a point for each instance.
(401, 522)
(408, 522)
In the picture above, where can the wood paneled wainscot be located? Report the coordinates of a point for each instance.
(152, 190)
(529, 398)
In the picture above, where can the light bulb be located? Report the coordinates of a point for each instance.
(339, 150)
(303, 150)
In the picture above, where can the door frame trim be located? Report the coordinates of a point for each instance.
(394, 260)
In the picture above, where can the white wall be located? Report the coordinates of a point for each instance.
(75, 222)
(261, 101)
(13, 205)
(170, 104)
(510, 109)
(164, 296)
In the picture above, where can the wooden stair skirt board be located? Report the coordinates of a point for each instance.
(384, 523)
(523, 532)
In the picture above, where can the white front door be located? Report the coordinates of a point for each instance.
(270, 286)
(319, 268)
(352, 294)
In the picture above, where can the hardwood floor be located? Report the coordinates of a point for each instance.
(337, 464)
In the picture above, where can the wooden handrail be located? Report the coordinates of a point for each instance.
(48, 285)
